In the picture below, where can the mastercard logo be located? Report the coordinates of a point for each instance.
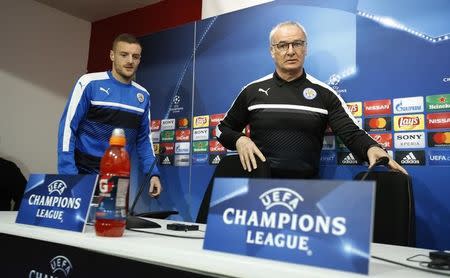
(442, 138)
(183, 122)
(377, 123)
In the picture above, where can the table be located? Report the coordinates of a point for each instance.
(36, 251)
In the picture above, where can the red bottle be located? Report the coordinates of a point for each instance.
(110, 217)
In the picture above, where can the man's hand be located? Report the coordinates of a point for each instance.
(375, 152)
(155, 186)
(247, 150)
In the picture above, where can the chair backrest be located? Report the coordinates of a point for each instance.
(230, 166)
(394, 221)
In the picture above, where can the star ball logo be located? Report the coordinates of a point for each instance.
(279, 225)
(334, 80)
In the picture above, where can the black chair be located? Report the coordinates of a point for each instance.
(230, 166)
(394, 221)
(12, 186)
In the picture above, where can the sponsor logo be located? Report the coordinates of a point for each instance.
(309, 93)
(201, 121)
(169, 147)
(181, 160)
(385, 139)
(439, 157)
(355, 108)
(446, 79)
(214, 159)
(215, 119)
(378, 124)
(264, 91)
(140, 97)
(200, 158)
(167, 135)
(439, 139)
(409, 122)
(200, 134)
(377, 107)
(347, 158)
(409, 140)
(167, 124)
(438, 120)
(328, 158)
(215, 146)
(183, 123)
(200, 146)
(329, 142)
(166, 160)
(408, 105)
(155, 125)
(182, 134)
(155, 136)
(438, 102)
(106, 91)
(410, 157)
(212, 133)
(182, 147)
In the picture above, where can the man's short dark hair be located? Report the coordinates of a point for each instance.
(125, 37)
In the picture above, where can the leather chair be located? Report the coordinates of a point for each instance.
(230, 166)
(394, 221)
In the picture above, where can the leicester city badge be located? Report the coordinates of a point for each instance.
(140, 97)
(309, 93)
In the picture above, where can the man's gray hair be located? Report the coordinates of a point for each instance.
(286, 23)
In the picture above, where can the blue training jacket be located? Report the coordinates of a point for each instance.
(98, 104)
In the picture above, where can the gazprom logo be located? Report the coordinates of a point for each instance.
(57, 186)
(61, 263)
(408, 105)
(281, 196)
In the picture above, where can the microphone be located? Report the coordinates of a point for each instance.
(133, 220)
(384, 160)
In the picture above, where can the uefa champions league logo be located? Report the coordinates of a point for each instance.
(281, 225)
(57, 186)
(281, 196)
(334, 80)
(176, 100)
(61, 263)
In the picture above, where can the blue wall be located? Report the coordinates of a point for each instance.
(199, 68)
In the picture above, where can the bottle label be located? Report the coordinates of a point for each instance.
(113, 198)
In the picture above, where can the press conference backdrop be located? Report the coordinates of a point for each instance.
(389, 60)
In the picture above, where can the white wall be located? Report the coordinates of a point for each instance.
(218, 7)
(42, 53)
